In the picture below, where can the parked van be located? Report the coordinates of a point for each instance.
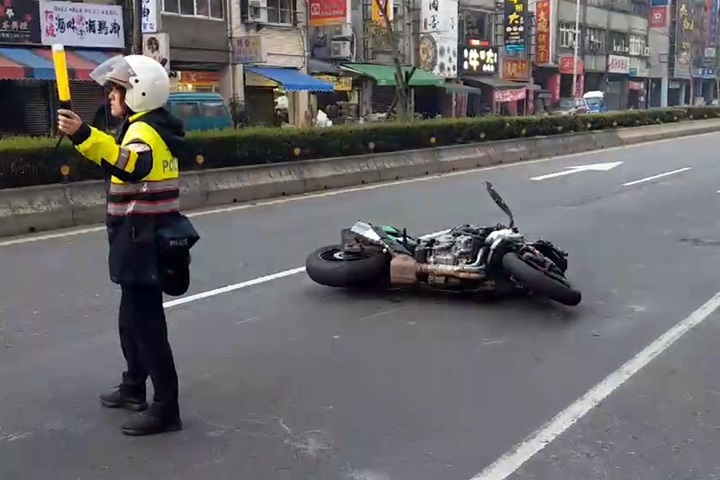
(200, 111)
(596, 101)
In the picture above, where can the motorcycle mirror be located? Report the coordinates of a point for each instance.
(500, 202)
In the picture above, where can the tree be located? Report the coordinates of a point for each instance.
(385, 35)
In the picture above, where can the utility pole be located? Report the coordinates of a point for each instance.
(137, 15)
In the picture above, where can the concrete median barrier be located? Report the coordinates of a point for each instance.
(35, 209)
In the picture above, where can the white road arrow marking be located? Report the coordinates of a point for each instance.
(596, 167)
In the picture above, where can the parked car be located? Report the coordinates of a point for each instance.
(569, 106)
(200, 111)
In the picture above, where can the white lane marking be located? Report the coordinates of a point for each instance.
(296, 198)
(250, 283)
(647, 179)
(233, 287)
(593, 167)
(506, 465)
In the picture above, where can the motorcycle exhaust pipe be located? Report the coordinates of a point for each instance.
(404, 270)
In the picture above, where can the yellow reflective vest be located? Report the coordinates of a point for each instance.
(134, 188)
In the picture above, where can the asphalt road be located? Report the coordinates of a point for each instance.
(284, 379)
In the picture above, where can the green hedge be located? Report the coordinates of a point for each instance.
(30, 161)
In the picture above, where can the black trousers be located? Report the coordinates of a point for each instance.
(144, 342)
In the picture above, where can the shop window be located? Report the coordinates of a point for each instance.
(619, 43)
(475, 24)
(637, 45)
(195, 8)
(281, 12)
(185, 110)
(213, 109)
(595, 41)
(567, 34)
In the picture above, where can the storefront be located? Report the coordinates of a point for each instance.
(379, 86)
(616, 90)
(27, 75)
(194, 81)
(341, 105)
(273, 94)
(567, 69)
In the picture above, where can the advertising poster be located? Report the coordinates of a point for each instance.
(81, 24)
(514, 28)
(438, 49)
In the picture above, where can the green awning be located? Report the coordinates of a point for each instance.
(384, 75)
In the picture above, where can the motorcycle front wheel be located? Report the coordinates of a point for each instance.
(539, 282)
(332, 267)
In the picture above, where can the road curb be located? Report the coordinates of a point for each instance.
(34, 209)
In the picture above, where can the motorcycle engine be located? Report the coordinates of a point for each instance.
(452, 249)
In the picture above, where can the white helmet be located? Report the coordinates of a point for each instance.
(146, 82)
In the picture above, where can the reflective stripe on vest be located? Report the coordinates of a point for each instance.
(159, 192)
(143, 198)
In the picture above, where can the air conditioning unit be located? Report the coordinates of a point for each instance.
(257, 11)
(646, 51)
(340, 49)
(341, 31)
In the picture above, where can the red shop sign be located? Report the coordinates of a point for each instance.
(510, 95)
(322, 13)
(566, 65)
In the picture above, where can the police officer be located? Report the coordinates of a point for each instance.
(142, 198)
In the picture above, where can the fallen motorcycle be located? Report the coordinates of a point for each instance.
(466, 258)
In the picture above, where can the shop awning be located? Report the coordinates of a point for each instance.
(456, 88)
(36, 63)
(316, 66)
(494, 82)
(292, 80)
(384, 75)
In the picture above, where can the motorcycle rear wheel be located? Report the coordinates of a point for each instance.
(332, 267)
(539, 282)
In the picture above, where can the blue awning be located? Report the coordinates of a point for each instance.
(293, 80)
(38, 67)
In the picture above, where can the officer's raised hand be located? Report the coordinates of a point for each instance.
(69, 122)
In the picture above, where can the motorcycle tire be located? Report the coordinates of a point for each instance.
(539, 282)
(331, 267)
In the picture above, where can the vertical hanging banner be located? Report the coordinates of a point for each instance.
(712, 30)
(322, 13)
(542, 32)
(381, 8)
(515, 33)
(150, 16)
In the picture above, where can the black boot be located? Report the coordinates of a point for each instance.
(118, 399)
(157, 419)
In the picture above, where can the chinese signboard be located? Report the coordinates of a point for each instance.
(618, 64)
(327, 12)
(687, 37)
(542, 32)
(340, 84)
(515, 69)
(149, 16)
(81, 24)
(509, 95)
(711, 28)
(19, 22)
(514, 33)
(439, 37)
(566, 65)
(478, 58)
(248, 50)
(658, 17)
